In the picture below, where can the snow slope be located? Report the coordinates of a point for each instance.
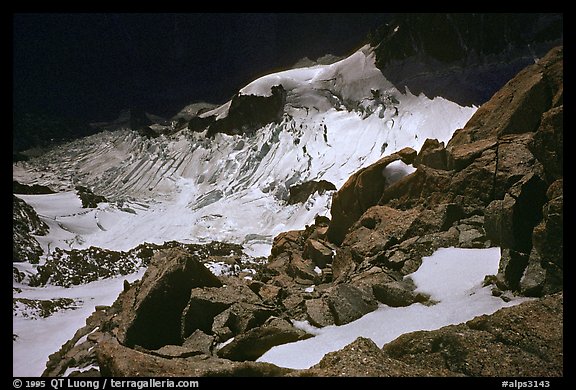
(38, 338)
(337, 119)
(451, 276)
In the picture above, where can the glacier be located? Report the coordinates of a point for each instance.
(338, 118)
(188, 187)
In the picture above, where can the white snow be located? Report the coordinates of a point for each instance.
(185, 187)
(39, 338)
(451, 276)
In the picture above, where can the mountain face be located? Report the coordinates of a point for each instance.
(202, 185)
(352, 188)
(464, 57)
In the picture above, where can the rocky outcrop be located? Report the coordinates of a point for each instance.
(79, 266)
(25, 225)
(363, 358)
(361, 191)
(469, 57)
(489, 184)
(88, 198)
(247, 113)
(299, 193)
(253, 343)
(34, 189)
(152, 311)
(178, 317)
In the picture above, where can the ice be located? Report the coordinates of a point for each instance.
(451, 276)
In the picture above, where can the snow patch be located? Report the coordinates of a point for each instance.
(451, 276)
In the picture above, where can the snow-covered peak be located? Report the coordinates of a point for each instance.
(351, 79)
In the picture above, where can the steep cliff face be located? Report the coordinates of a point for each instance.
(464, 57)
(498, 169)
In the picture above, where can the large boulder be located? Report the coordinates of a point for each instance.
(223, 311)
(361, 191)
(509, 222)
(432, 154)
(255, 342)
(152, 309)
(348, 303)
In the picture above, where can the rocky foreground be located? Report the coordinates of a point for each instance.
(498, 182)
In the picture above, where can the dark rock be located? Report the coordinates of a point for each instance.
(462, 155)
(469, 57)
(318, 312)
(471, 233)
(41, 308)
(378, 229)
(152, 310)
(518, 106)
(257, 341)
(175, 352)
(320, 253)
(473, 186)
(544, 273)
(432, 154)
(88, 198)
(239, 318)
(533, 279)
(205, 304)
(300, 193)
(120, 361)
(426, 186)
(80, 266)
(301, 268)
(26, 224)
(548, 142)
(34, 189)
(343, 264)
(435, 219)
(510, 222)
(288, 241)
(199, 342)
(270, 294)
(512, 266)
(250, 112)
(397, 294)
(349, 303)
(17, 276)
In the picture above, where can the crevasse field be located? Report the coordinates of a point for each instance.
(338, 118)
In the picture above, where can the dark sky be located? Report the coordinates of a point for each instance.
(90, 66)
